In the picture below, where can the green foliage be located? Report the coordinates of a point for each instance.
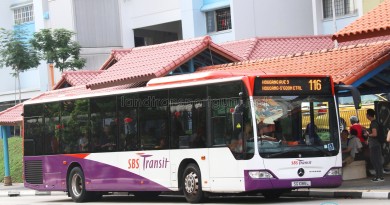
(15, 159)
(16, 52)
(57, 46)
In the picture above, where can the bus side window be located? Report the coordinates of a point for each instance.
(188, 117)
(104, 124)
(153, 119)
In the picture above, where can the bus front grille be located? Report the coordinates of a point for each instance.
(33, 172)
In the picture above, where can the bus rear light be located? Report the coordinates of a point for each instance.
(335, 171)
(260, 175)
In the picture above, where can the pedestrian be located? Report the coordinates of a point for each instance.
(356, 126)
(352, 150)
(365, 151)
(374, 146)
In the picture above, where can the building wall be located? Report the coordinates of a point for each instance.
(368, 5)
(96, 23)
(261, 17)
(31, 82)
(141, 14)
(193, 20)
(327, 26)
(61, 14)
(281, 18)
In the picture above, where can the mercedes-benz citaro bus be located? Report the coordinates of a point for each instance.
(202, 133)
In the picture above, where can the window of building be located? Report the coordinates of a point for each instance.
(24, 14)
(342, 8)
(218, 20)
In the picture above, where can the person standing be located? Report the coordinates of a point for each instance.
(374, 146)
(356, 126)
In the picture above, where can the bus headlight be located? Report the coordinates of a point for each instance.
(335, 172)
(260, 175)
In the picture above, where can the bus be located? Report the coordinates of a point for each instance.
(199, 134)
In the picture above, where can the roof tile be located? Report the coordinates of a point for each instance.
(375, 23)
(344, 64)
(75, 78)
(12, 116)
(255, 48)
(144, 63)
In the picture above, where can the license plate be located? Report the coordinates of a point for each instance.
(300, 183)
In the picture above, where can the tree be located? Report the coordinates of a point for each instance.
(17, 53)
(58, 47)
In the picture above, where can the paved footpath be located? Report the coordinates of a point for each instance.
(357, 188)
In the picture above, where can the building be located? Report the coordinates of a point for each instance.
(105, 25)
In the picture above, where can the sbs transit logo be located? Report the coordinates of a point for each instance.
(146, 161)
(300, 162)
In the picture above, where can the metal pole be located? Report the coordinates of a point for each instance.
(334, 23)
(334, 16)
(7, 177)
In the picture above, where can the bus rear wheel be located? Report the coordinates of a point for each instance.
(76, 186)
(192, 184)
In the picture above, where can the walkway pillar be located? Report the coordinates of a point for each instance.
(4, 135)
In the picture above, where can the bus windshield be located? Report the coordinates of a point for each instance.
(296, 126)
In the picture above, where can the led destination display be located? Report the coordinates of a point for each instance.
(293, 86)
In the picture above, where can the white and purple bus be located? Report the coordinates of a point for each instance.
(211, 132)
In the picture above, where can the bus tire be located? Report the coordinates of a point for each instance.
(76, 186)
(271, 195)
(192, 184)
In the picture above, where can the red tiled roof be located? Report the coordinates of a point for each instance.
(115, 56)
(364, 41)
(375, 23)
(145, 63)
(75, 78)
(76, 91)
(257, 48)
(12, 116)
(344, 64)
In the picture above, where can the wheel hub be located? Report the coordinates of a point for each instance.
(190, 183)
(77, 185)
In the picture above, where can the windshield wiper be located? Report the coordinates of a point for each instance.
(298, 151)
(327, 153)
(282, 153)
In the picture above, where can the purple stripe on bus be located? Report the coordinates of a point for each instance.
(98, 176)
(264, 184)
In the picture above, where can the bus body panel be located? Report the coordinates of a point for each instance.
(226, 175)
(199, 156)
(162, 170)
(288, 168)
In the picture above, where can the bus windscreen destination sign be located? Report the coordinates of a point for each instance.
(293, 86)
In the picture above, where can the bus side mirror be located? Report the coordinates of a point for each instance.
(357, 101)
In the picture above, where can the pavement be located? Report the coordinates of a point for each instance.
(355, 188)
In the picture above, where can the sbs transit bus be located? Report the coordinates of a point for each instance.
(211, 132)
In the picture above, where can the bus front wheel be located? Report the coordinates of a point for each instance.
(192, 184)
(76, 185)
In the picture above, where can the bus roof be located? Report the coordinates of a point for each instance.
(208, 75)
(184, 80)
